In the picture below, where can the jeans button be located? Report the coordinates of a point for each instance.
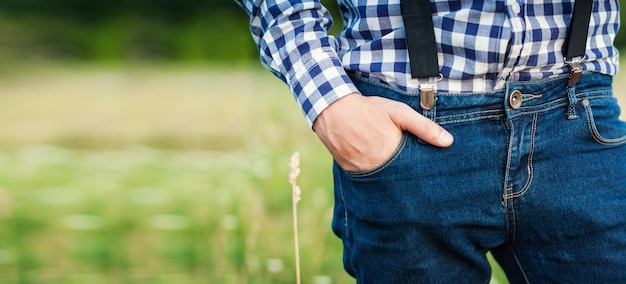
(515, 99)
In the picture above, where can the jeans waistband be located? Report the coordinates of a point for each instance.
(537, 95)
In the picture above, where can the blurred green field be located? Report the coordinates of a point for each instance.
(159, 174)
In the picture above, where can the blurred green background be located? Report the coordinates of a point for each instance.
(141, 142)
(187, 30)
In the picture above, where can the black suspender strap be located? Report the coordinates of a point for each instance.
(576, 43)
(422, 47)
(420, 38)
(578, 28)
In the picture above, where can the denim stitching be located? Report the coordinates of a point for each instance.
(519, 265)
(529, 167)
(541, 108)
(506, 201)
(572, 101)
(530, 97)
(602, 94)
(596, 134)
(469, 119)
(384, 164)
(558, 103)
(544, 80)
(440, 119)
(499, 111)
(509, 155)
(514, 221)
(505, 204)
(470, 116)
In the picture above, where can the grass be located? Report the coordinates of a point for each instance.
(156, 175)
(159, 174)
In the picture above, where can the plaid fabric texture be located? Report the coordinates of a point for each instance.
(481, 44)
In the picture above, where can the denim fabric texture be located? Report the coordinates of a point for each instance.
(541, 184)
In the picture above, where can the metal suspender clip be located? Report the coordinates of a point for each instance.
(576, 42)
(422, 48)
(576, 69)
(427, 91)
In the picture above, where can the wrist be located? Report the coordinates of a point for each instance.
(331, 111)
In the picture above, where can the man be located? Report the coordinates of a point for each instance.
(537, 170)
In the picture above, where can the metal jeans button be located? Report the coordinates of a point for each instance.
(515, 99)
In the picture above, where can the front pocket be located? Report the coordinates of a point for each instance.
(384, 164)
(603, 120)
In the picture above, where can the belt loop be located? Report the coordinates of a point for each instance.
(572, 101)
(576, 70)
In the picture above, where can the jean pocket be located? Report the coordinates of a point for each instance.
(384, 164)
(603, 120)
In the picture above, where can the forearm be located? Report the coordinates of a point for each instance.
(293, 40)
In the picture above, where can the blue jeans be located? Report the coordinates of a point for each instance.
(539, 180)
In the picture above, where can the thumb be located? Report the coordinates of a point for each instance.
(408, 119)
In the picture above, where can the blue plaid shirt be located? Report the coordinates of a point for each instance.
(481, 44)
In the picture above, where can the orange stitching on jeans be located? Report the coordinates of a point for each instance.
(529, 167)
(596, 134)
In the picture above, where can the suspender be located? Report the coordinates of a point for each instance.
(578, 28)
(422, 48)
(577, 38)
(420, 37)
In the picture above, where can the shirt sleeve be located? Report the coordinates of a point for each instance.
(292, 36)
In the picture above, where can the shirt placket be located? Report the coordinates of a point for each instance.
(515, 56)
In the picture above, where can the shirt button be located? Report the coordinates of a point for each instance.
(515, 99)
(516, 8)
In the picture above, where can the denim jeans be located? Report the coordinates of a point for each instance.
(536, 175)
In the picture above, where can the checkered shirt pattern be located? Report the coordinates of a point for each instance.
(481, 44)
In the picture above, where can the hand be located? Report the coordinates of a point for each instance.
(362, 132)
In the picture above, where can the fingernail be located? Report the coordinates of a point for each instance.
(445, 138)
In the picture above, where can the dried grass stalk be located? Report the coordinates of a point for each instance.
(296, 196)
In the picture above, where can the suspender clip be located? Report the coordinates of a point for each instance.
(427, 91)
(576, 69)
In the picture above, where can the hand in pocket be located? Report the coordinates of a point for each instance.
(362, 132)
